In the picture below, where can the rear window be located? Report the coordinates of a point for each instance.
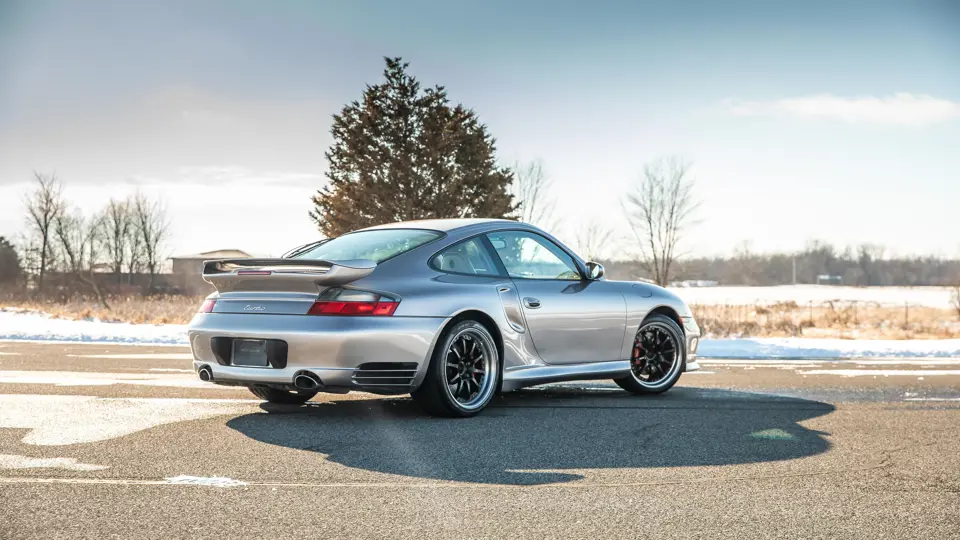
(376, 245)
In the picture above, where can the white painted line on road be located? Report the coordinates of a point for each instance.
(11, 461)
(2, 353)
(913, 362)
(59, 420)
(453, 484)
(145, 356)
(101, 343)
(699, 372)
(881, 372)
(171, 370)
(81, 378)
(774, 362)
(210, 481)
(931, 399)
(754, 361)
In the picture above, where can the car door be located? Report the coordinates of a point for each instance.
(571, 319)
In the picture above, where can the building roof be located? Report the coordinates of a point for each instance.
(216, 254)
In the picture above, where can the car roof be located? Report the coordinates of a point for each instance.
(442, 225)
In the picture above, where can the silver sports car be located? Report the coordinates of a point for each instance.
(449, 311)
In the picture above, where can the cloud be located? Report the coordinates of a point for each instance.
(901, 109)
(231, 175)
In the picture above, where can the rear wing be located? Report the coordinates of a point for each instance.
(289, 275)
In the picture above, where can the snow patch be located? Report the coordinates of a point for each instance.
(32, 326)
(149, 356)
(773, 434)
(881, 372)
(60, 420)
(20, 326)
(813, 348)
(12, 461)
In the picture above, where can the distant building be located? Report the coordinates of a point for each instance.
(694, 283)
(826, 279)
(188, 269)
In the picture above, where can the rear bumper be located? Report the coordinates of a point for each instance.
(330, 347)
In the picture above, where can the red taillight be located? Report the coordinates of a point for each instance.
(383, 309)
(337, 301)
(207, 306)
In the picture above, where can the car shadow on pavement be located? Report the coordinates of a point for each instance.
(536, 437)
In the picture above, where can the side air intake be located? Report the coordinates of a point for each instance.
(385, 374)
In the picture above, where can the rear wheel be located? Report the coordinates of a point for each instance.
(287, 397)
(463, 374)
(657, 360)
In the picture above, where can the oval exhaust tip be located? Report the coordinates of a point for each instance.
(206, 375)
(306, 381)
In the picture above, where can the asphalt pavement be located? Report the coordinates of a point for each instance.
(120, 441)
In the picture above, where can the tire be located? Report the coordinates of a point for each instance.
(453, 364)
(650, 361)
(286, 397)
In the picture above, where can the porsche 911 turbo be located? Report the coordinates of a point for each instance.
(451, 311)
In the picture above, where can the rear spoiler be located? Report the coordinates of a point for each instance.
(293, 275)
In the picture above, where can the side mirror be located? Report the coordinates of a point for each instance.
(594, 271)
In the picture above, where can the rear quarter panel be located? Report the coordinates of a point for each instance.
(424, 292)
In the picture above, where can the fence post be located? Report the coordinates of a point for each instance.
(906, 315)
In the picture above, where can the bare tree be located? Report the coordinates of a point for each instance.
(531, 188)
(150, 217)
(44, 206)
(659, 212)
(79, 241)
(592, 239)
(955, 296)
(116, 235)
(135, 250)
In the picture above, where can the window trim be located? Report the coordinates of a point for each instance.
(440, 236)
(485, 245)
(580, 270)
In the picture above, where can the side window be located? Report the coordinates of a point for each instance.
(531, 256)
(468, 257)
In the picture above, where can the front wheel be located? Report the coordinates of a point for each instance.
(286, 397)
(463, 374)
(657, 360)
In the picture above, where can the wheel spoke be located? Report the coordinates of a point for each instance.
(655, 354)
(468, 363)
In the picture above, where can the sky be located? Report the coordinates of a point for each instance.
(836, 121)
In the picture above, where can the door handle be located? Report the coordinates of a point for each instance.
(531, 302)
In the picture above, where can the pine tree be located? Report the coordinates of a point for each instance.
(10, 268)
(405, 153)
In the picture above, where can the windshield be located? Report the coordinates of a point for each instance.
(376, 245)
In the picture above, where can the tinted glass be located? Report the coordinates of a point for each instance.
(531, 256)
(377, 245)
(470, 257)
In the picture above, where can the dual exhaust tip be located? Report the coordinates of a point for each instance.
(205, 373)
(303, 380)
(306, 381)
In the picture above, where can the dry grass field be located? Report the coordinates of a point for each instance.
(849, 320)
(132, 309)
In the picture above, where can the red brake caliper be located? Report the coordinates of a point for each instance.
(639, 355)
